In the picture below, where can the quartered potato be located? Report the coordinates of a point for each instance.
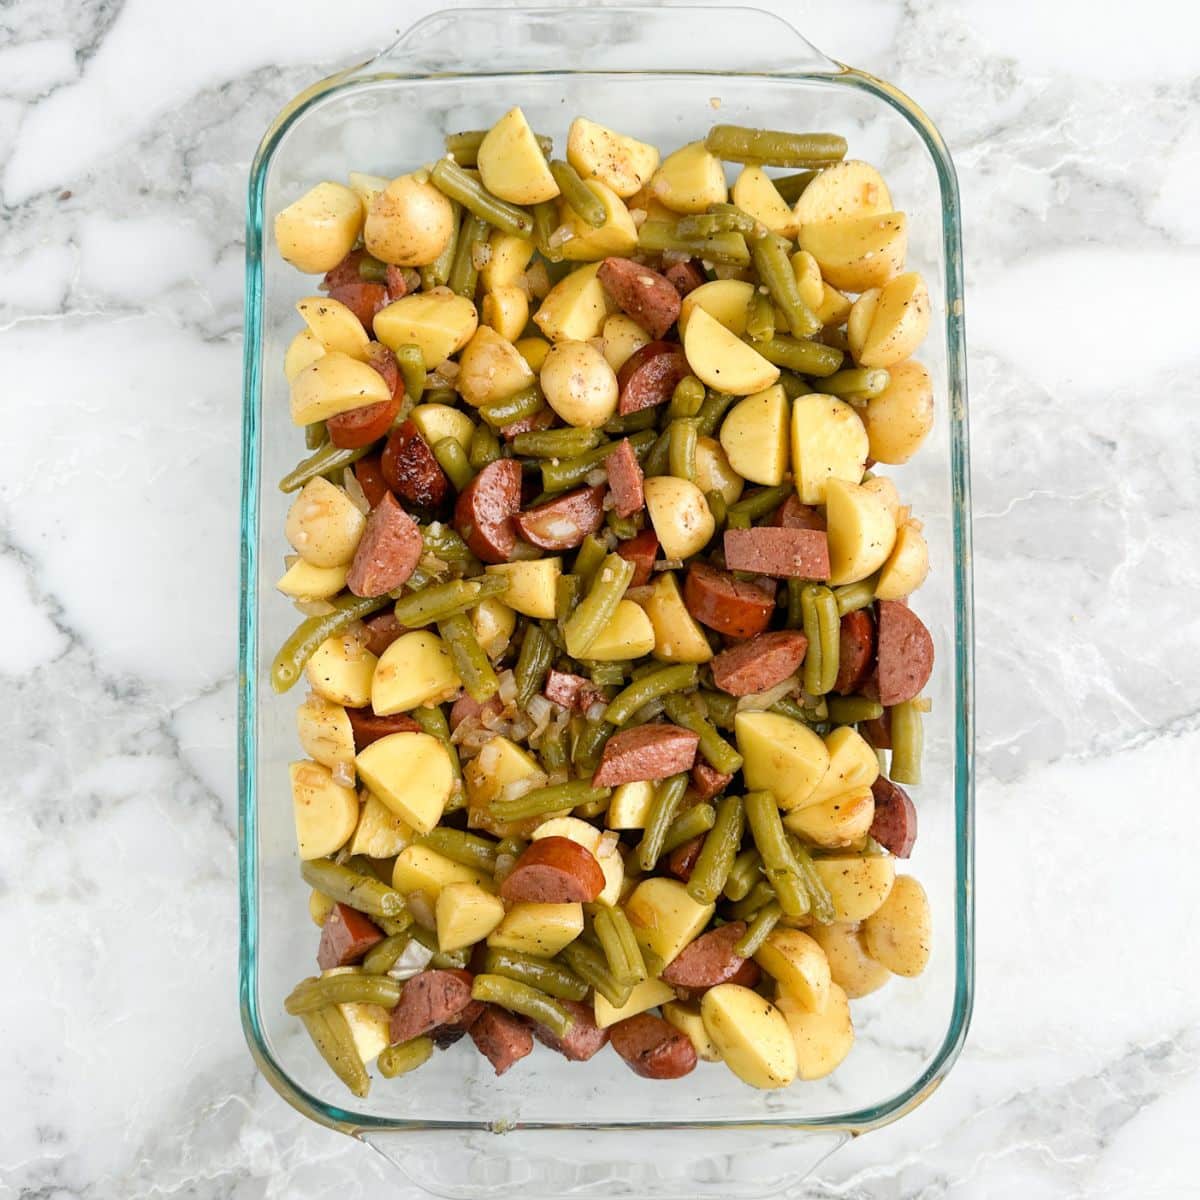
(317, 231)
(688, 1020)
(622, 163)
(751, 1034)
(412, 774)
(366, 186)
(439, 322)
(335, 383)
(491, 369)
(689, 180)
(630, 805)
(342, 671)
(850, 966)
(334, 326)
(887, 491)
(303, 581)
(859, 253)
(437, 421)
(898, 933)
(898, 322)
(506, 310)
(756, 194)
(303, 350)
(828, 442)
(532, 584)
(723, 361)
(324, 731)
(837, 822)
(899, 419)
(576, 307)
(677, 635)
(466, 914)
(622, 337)
(408, 223)
(648, 994)
(586, 243)
(533, 351)
(664, 917)
(821, 1040)
(754, 436)
(493, 623)
(798, 965)
(324, 810)
(380, 833)
(680, 515)
(714, 471)
(420, 869)
(496, 768)
(628, 635)
(781, 756)
(508, 257)
(538, 929)
(725, 300)
(511, 163)
(323, 525)
(858, 884)
(907, 565)
(415, 669)
(861, 531)
(847, 189)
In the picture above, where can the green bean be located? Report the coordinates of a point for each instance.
(354, 987)
(908, 740)
(441, 600)
(726, 248)
(521, 998)
(449, 178)
(668, 796)
(852, 596)
(711, 412)
(464, 147)
(766, 828)
(720, 755)
(795, 609)
(464, 273)
(863, 382)
(331, 1035)
(359, 891)
(818, 894)
(703, 225)
(590, 809)
(371, 270)
(382, 957)
(621, 951)
(851, 710)
(793, 385)
(698, 820)
(811, 623)
(592, 552)
(567, 590)
(735, 519)
(309, 634)
(314, 435)
(441, 541)
(791, 187)
(790, 891)
(590, 965)
(661, 681)
(437, 272)
(719, 853)
(324, 459)
(785, 706)
(597, 607)
(484, 448)
(452, 458)
(681, 448)
(716, 506)
(687, 399)
(737, 143)
(822, 621)
(607, 673)
(394, 925)
(569, 472)
(761, 893)
(440, 395)
(760, 317)
(798, 354)
(552, 749)
(589, 745)
(412, 370)
(579, 197)
(554, 798)
(719, 708)
(658, 460)
(769, 253)
(517, 407)
(764, 921)
(762, 501)
(472, 664)
(544, 974)
(466, 848)
(556, 443)
(534, 660)
(623, 527)
(743, 875)
(545, 222)
(634, 422)
(394, 1061)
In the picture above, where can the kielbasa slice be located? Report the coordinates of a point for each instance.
(709, 960)
(904, 653)
(345, 937)
(382, 630)
(878, 730)
(645, 295)
(652, 1048)
(554, 870)
(707, 781)
(364, 300)
(410, 468)
(362, 426)
(563, 523)
(682, 860)
(793, 514)
(388, 551)
(731, 606)
(856, 651)
(369, 726)
(646, 752)
(428, 1000)
(347, 271)
(686, 276)
(542, 419)
(396, 281)
(776, 551)
(760, 663)
(650, 375)
(573, 692)
(486, 508)
(370, 478)
(895, 823)
(500, 1037)
(640, 550)
(583, 1040)
(625, 479)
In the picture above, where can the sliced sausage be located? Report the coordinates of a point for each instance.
(542, 419)
(895, 823)
(645, 295)
(686, 276)
(345, 937)
(500, 1037)
(428, 1000)
(776, 551)
(410, 468)
(731, 606)
(682, 860)
(361, 426)
(584, 1038)
(364, 300)
(760, 663)
(370, 478)
(485, 510)
(625, 479)
(573, 692)
(369, 726)
(707, 781)
(445, 1036)
(384, 361)
(709, 960)
(792, 514)
(397, 282)
(388, 551)
(904, 654)
(650, 375)
(652, 1048)
(554, 870)
(345, 272)
(856, 651)
(646, 752)
(877, 731)
(563, 523)
(381, 631)
(640, 550)
(467, 706)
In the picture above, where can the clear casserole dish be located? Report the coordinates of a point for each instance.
(552, 1127)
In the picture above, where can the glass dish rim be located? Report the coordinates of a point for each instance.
(838, 74)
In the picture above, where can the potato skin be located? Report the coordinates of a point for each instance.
(408, 223)
(898, 933)
(899, 419)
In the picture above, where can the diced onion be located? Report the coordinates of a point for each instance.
(761, 701)
(609, 841)
(422, 910)
(343, 773)
(314, 608)
(596, 476)
(414, 958)
(596, 711)
(668, 564)
(354, 492)
(508, 687)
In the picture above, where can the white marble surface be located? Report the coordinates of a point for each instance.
(126, 130)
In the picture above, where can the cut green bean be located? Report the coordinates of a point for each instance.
(353, 987)
(382, 957)
(862, 382)
(720, 708)
(394, 1061)
(818, 894)
(331, 1035)
(851, 597)
(547, 976)
(412, 370)
(534, 660)
(521, 998)
(552, 749)
(769, 253)
(441, 541)
(567, 590)
(716, 506)
(309, 634)
(658, 459)
(567, 442)
(449, 178)
(579, 197)
(590, 809)
(314, 435)
(798, 354)
(442, 960)
(668, 796)
(720, 755)
(822, 627)
(623, 527)
(793, 386)
(795, 608)
(718, 855)
(634, 422)
(545, 222)
(711, 411)
(760, 317)
(729, 249)
(621, 951)
(324, 459)
(597, 607)
(761, 502)
(662, 681)
(472, 664)
(464, 270)
(737, 143)
(761, 893)
(440, 395)
(461, 847)
(810, 621)
(791, 187)
(687, 399)
(556, 797)
(452, 458)
(441, 600)
(764, 921)
(371, 269)
(743, 875)
(525, 403)
(681, 451)
(589, 964)
(766, 828)
(851, 710)
(464, 147)
(790, 891)
(359, 891)
(908, 740)
(703, 225)
(606, 674)
(591, 553)
(589, 745)
(484, 448)
(698, 820)
(565, 473)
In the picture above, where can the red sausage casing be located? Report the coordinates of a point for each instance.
(563, 523)
(410, 468)
(640, 550)
(904, 652)
(895, 823)
(428, 1000)
(649, 376)
(856, 651)
(388, 551)
(500, 1037)
(486, 508)
(625, 480)
(554, 870)
(645, 295)
(709, 960)
(584, 1039)
(345, 937)
(652, 1048)
(730, 606)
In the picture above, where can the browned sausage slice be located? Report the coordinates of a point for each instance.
(760, 663)
(397, 284)
(625, 479)
(686, 276)
(895, 823)
(877, 731)
(792, 514)
(345, 272)
(646, 752)
(563, 523)
(905, 653)
(645, 295)
(641, 550)
(554, 870)
(370, 478)
(384, 361)
(388, 551)
(369, 726)
(485, 510)
(856, 651)
(410, 468)
(381, 631)
(707, 781)
(709, 960)
(584, 1039)
(682, 860)
(500, 1037)
(731, 606)
(650, 375)
(776, 551)
(345, 937)
(652, 1048)
(364, 300)
(428, 1000)
(361, 426)
(572, 691)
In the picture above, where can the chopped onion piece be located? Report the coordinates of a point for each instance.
(414, 958)
(761, 701)
(422, 910)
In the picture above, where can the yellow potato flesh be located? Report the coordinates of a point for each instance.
(303, 581)
(508, 256)
(380, 833)
(506, 310)
(899, 419)
(623, 336)
(533, 351)
(781, 756)
(415, 669)
(798, 964)
(408, 223)
(630, 805)
(861, 531)
(715, 473)
(325, 812)
(723, 361)
(828, 442)
(341, 671)
(317, 231)
(438, 322)
(680, 515)
(689, 180)
(648, 994)
(302, 350)
(677, 635)
(621, 162)
(628, 635)
(491, 369)
(664, 917)
(852, 764)
(725, 300)
(751, 1034)
(493, 623)
(332, 384)
(325, 732)
(412, 774)
(511, 162)
(754, 436)
(576, 307)
(756, 194)
(690, 1023)
(531, 585)
(323, 524)
(821, 1039)
(858, 884)
(437, 421)
(899, 324)
(906, 567)
(899, 933)
(466, 914)
(420, 869)
(851, 188)
(617, 236)
(334, 326)
(539, 929)
(834, 823)
(498, 764)
(850, 966)
(859, 253)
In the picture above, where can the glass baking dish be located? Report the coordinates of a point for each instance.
(552, 1127)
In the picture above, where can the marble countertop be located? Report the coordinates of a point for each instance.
(126, 131)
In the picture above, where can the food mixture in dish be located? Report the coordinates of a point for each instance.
(613, 678)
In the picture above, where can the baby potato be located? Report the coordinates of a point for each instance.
(437, 421)
(834, 308)
(622, 337)
(781, 756)
(862, 313)
(303, 581)
(755, 193)
(821, 1039)
(366, 186)
(325, 732)
(828, 442)
(648, 994)
(809, 283)
(907, 565)
(720, 359)
(506, 310)
(725, 300)
(751, 1034)
(850, 966)
(511, 163)
(323, 525)
(533, 350)
(380, 833)
(628, 635)
(714, 472)
(575, 308)
(412, 774)
(689, 180)
(408, 223)
(622, 163)
(420, 869)
(508, 256)
(861, 531)
(341, 670)
(532, 584)
(415, 669)
(324, 811)
(538, 929)
(680, 515)
(798, 965)
(887, 491)
(840, 821)
(754, 436)
(334, 325)
(317, 231)
(499, 763)
(687, 1019)
(579, 384)
(858, 884)
(851, 188)
(899, 932)
(439, 322)
(677, 635)
(858, 253)
(587, 243)
(332, 384)
(630, 805)
(303, 350)
(493, 622)
(664, 917)
(590, 838)
(899, 322)
(490, 369)
(852, 764)
(319, 907)
(899, 419)
(466, 914)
